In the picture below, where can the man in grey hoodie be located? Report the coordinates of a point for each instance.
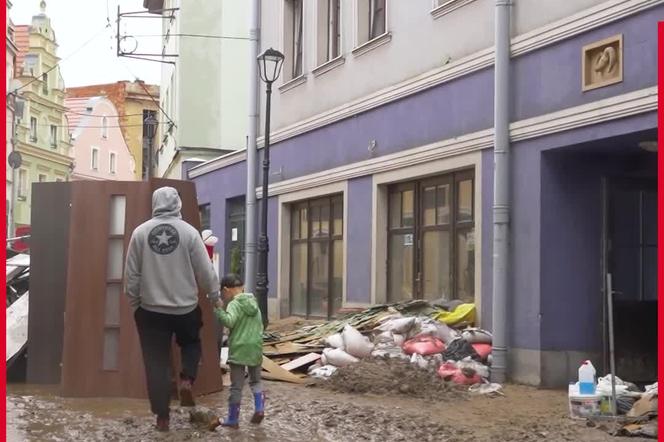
(166, 264)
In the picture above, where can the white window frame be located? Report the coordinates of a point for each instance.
(289, 41)
(53, 135)
(364, 42)
(444, 7)
(112, 162)
(94, 166)
(324, 59)
(284, 240)
(33, 129)
(22, 188)
(104, 127)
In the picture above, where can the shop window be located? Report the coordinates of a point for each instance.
(431, 249)
(316, 279)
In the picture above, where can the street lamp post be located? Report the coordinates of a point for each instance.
(151, 129)
(269, 67)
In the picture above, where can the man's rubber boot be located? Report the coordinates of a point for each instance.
(163, 424)
(233, 419)
(259, 408)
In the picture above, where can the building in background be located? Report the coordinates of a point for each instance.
(98, 145)
(42, 137)
(10, 61)
(205, 92)
(134, 101)
(381, 187)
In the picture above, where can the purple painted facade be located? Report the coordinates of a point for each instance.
(555, 238)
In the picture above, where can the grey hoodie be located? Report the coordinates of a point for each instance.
(167, 261)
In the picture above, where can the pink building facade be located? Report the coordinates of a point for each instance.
(99, 149)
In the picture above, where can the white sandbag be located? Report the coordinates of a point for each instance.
(419, 361)
(398, 339)
(438, 329)
(477, 367)
(399, 326)
(338, 357)
(384, 338)
(335, 341)
(477, 336)
(323, 358)
(323, 372)
(355, 344)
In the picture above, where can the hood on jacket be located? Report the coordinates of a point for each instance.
(247, 303)
(166, 202)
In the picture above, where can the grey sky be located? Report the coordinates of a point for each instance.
(76, 21)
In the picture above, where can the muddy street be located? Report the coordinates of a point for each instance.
(297, 413)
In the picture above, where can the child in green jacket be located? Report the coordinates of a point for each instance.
(243, 318)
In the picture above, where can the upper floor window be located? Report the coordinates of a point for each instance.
(22, 183)
(95, 159)
(293, 43)
(111, 162)
(33, 129)
(104, 127)
(45, 83)
(371, 20)
(329, 31)
(54, 136)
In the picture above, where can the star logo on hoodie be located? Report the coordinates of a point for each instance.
(163, 239)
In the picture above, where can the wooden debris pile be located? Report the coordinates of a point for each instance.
(287, 354)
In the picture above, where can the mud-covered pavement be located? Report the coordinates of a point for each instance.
(296, 413)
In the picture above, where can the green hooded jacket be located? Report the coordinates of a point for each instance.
(244, 319)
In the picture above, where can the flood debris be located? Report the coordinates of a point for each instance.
(436, 347)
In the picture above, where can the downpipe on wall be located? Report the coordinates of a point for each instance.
(501, 200)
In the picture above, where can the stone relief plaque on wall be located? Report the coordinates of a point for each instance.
(602, 63)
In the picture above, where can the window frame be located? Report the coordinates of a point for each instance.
(54, 136)
(297, 50)
(454, 226)
(330, 239)
(94, 165)
(34, 133)
(104, 127)
(22, 188)
(112, 162)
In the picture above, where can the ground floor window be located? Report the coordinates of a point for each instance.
(431, 247)
(316, 254)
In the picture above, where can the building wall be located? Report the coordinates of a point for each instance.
(87, 135)
(41, 157)
(131, 100)
(10, 56)
(206, 91)
(446, 125)
(412, 26)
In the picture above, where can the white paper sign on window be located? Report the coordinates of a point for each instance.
(408, 240)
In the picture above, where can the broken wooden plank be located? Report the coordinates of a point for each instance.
(275, 372)
(301, 361)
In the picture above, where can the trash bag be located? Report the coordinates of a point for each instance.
(447, 370)
(476, 336)
(460, 349)
(398, 339)
(419, 361)
(355, 343)
(335, 341)
(423, 345)
(385, 337)
(338, 357)
(435, 328)
(483, 350)
(464, 313)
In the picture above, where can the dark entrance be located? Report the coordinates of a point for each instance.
(235, 227)
(632, 263)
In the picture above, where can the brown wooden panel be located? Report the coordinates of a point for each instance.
(83, 373)
(48, 281)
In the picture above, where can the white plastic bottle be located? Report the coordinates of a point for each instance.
(587, 378)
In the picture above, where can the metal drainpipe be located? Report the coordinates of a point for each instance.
(501, 207)
(250, 199)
